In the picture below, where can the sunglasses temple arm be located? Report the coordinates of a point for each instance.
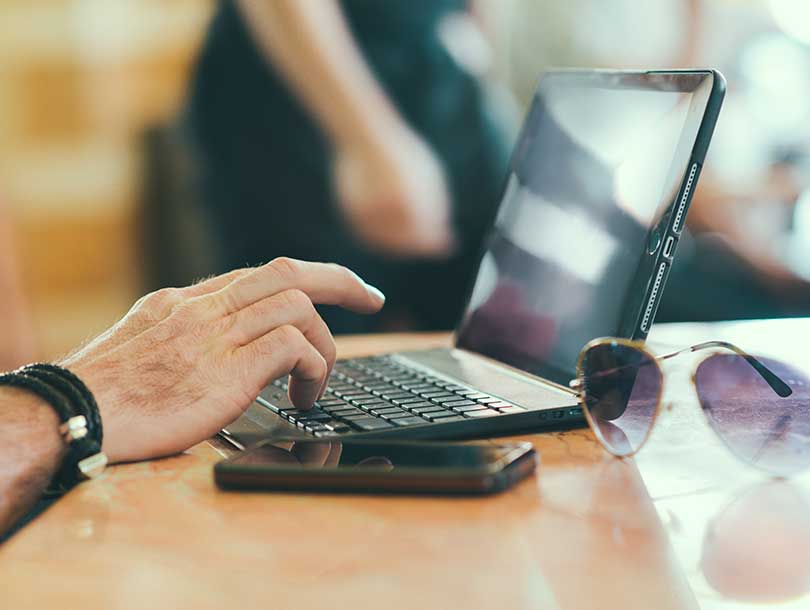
(773, 380)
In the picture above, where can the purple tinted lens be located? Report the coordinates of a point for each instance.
(769, 431)
(622, 386)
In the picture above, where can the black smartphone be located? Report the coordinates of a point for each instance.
(377, 467)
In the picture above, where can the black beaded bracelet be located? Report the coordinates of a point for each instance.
(76, 391)
(79, 416)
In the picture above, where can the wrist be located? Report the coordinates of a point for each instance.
(371, 134)
(40, 420)
(114, 429)
(77, 414)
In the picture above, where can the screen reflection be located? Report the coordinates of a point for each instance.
(597, 166)
(371, 455)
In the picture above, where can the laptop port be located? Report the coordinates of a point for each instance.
(669, 246)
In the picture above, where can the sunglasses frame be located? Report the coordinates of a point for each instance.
(578, 384)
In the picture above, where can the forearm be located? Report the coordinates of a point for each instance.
(311, 46)
(30, 452)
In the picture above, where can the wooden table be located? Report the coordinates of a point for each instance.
(682, 526)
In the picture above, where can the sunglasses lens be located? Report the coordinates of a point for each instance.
(621, 390)
(763, 428)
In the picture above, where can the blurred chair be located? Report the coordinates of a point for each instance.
(174, 236)
(17, 341)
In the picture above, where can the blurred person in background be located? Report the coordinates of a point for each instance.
(17, 344)
(354, 131)
(741, 257)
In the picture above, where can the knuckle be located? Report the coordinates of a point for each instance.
(192, 309)
(297, 300)
(287, 268)
(287, 345)
(323, 366)
(289, 338)
(161, 300)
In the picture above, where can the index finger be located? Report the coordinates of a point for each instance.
(323, 283)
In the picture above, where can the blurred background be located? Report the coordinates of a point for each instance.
(116, 117)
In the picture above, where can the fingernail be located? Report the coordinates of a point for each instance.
(375, 292)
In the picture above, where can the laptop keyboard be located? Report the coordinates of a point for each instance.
(379, 393)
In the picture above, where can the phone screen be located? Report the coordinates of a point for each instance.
(377, 456)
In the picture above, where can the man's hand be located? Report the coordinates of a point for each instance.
(394, 196)
(183, 363)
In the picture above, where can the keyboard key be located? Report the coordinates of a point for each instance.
(445, 420)
(369, 404)
(458, 403)
(342, 412)
(431, 408)
(450, 387)
(512, 409)
(394, 395)
(380, 388)
(407, 401)
(415, 405)
(289, 409)
(398, 415)
(423, 387)
(472, 407)
(436, 394)
(445, 399)
(488, 400)
(499, 405)
(359, 397)
(331, 402)
(395, 416)
(476, 395)
(351, 418)
(314, 416)
(380, 411)
(409, 421)
(434, 415)
(483, 413)
(370, 423)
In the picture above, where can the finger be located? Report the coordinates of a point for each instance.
(284, 350)
(291, 307)
(323, 283)
(377, 461)
(217, 282)
(312, 453)
(334, 455)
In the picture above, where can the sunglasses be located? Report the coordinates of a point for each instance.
(760, 408)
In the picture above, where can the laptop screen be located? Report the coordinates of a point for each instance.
(597, 167)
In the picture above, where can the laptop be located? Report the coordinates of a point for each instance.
(592, 208)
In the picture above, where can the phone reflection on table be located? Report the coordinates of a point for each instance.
(323, 454)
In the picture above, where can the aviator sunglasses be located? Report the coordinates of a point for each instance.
(759, 407)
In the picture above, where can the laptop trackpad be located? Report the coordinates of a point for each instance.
(490, 378)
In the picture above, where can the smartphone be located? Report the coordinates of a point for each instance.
(377, 467)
